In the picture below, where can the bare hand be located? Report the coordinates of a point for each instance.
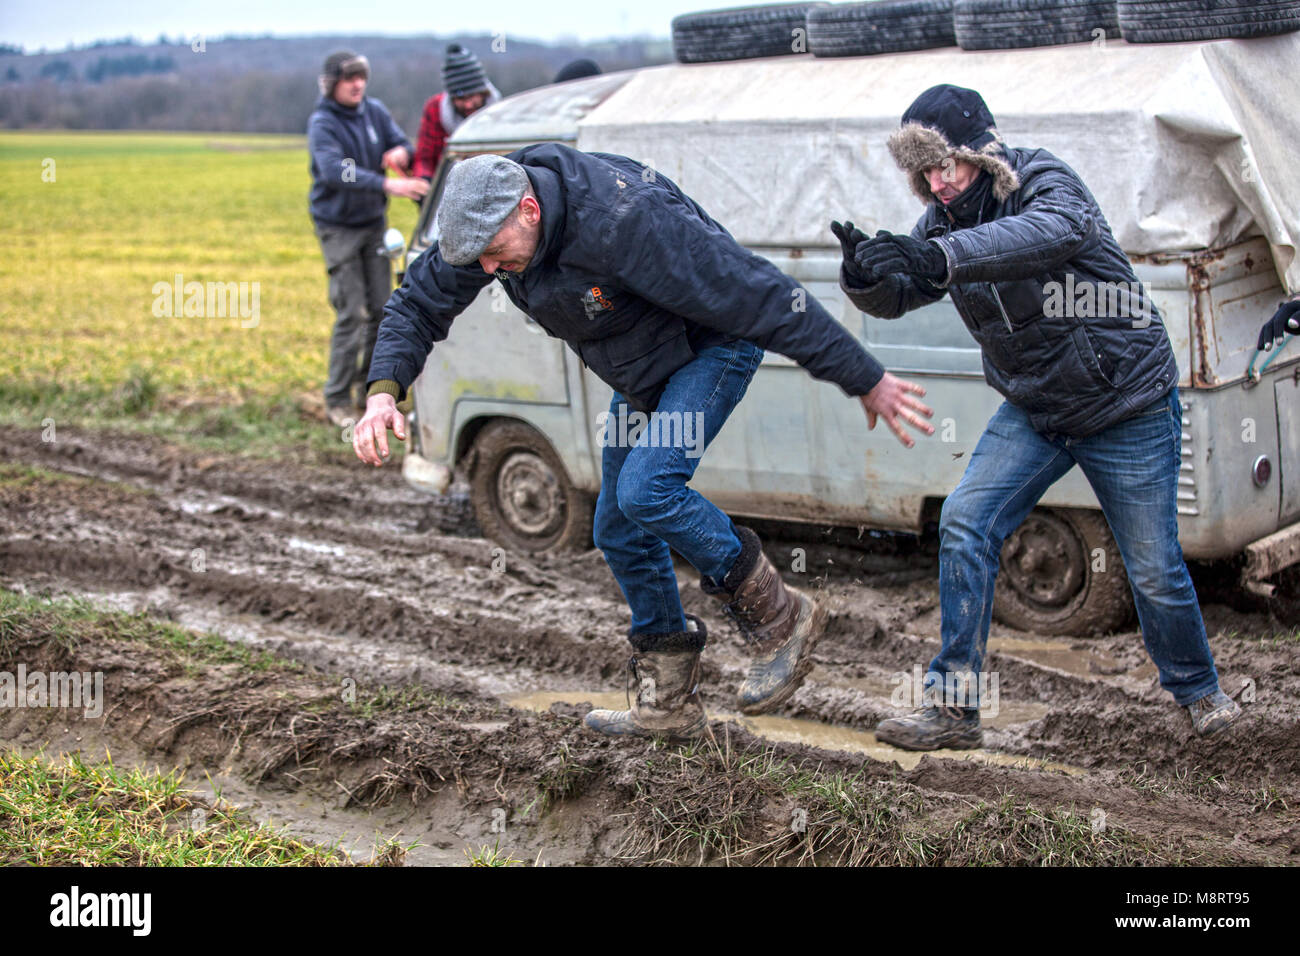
(381, 415)
(413, 188)
(892, 400)
(397, 159)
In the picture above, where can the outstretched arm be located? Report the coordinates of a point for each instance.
(417, 315)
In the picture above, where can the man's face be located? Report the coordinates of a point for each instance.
(470, 103)
(950, 180)
(515, 243)
(350, 90)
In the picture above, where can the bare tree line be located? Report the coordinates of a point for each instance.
(265, 85)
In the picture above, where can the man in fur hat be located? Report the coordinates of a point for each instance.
(1003, 231)
(466, 90)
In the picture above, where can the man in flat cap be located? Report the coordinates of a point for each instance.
(466, 89)
(352, 140)
(1003, 232)
(660, 302)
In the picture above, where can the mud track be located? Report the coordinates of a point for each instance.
(351, 572)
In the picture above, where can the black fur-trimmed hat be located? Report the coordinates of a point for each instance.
(950, 121)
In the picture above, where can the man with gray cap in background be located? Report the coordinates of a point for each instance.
(466, 90)
(661, 303)
(352, 140)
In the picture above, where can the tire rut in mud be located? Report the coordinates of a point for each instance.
(559, 791)
(343, 569)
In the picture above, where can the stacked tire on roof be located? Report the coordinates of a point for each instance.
(895, 26)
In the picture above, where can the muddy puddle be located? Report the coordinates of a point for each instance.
(884, 688)
(1064, 655)
(793, 730)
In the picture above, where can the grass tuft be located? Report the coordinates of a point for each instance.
(81, 814)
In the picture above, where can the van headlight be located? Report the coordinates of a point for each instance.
(1261, 471)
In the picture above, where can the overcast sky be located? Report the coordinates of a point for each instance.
(54, 24)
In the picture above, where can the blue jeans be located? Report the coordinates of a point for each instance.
(1133, 468)
(644, 506)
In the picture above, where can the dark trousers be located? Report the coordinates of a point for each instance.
(360, 282)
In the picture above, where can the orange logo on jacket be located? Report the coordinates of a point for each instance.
(593, 301)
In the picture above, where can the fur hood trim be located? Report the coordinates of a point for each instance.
(916, 148)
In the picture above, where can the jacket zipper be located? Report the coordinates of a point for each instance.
(1001, 308)
(1006, 319)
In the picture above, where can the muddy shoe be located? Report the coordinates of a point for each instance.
(780, 624)
(1213, 713)
(665, 672)
(931, 728)
(341, 416)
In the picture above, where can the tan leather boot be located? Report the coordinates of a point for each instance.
(665, 672)
(780, 624)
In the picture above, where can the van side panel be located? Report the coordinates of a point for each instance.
(495, 354)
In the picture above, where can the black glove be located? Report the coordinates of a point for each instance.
(1285, 319)
(849, 237)
(889, 254)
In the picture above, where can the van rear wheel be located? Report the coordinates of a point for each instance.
(1061, 573)
(522, 496)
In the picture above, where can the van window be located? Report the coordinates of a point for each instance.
(427, 228)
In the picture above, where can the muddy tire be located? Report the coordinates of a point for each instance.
(1061, 573)
(882, 26)
(740, 33)
(1175, 21)
(522, 496)
(1013, 24)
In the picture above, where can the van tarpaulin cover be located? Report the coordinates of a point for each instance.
(1186, 146)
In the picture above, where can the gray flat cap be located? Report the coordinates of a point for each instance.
(480, 194)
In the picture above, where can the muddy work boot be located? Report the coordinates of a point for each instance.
(931, 728)
(1212, 713)
(780, 625)
(341, 416)
(665, 672)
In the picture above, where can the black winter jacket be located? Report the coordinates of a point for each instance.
(1074, 373)
(347, 148)
(634, 276)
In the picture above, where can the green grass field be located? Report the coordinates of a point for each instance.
(94, 221)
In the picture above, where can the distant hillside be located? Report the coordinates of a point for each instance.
(262, 84)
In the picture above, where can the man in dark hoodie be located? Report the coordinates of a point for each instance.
(657, 299)
(352, 140)
(1004, 232)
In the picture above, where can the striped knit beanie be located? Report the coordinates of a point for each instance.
(462, 73)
